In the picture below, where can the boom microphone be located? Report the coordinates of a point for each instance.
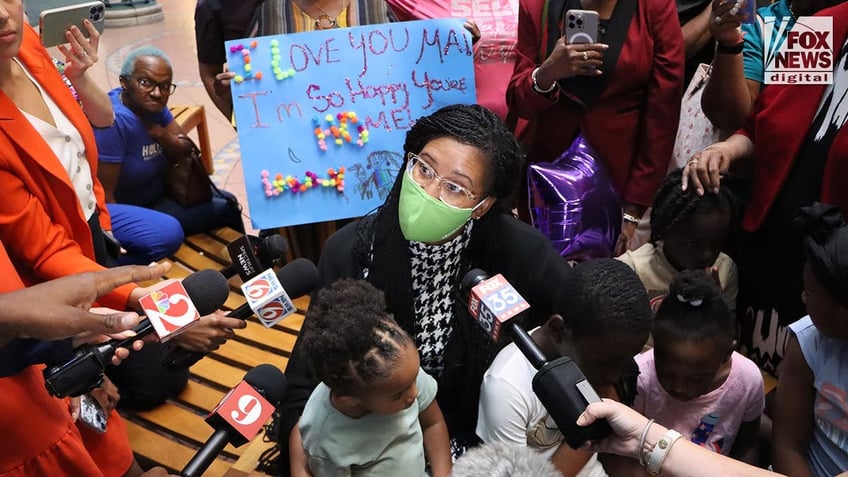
(207, 290)
(240, 415)
(294, 280)
(559, 384)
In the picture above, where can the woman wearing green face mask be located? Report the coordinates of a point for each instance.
(442, 218)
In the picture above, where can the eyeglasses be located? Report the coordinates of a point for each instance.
(147, 85)
(450, 192)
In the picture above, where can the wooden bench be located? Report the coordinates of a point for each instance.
(171, 434)
(189, 118)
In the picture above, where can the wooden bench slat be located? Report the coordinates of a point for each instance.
(194, 260)
(200, 396)
(250, 457)
(225, 234)
(210, 246)
(188, 424)
(274, 338)
(168, 452)
(247, 355)
(218, 373)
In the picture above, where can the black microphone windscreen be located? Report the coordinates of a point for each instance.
(299, 277)
(472, 279)
(208, 290)
(269, 381)
(275, 246)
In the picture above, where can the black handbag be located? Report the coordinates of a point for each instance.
(186, 181)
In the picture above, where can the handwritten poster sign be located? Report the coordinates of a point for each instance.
(322, 116)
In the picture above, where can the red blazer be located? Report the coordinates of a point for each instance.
(778, 127)
(633, 124)
(41, 221)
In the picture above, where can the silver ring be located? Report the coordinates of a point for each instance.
(585, 56)
(717, 20)
(734, 10)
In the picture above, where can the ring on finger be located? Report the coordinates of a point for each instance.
(717, 20)
(693, 162)
(734, 10)
(585, 56)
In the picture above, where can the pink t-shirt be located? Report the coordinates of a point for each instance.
(494, 55)
(711, 420)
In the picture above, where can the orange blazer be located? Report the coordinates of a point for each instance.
(43, 439)
(41, 221)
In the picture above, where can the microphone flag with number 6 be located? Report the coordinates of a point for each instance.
(493, 302)
(169, 310)
(267, 298)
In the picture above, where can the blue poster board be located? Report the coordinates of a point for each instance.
(322, 116)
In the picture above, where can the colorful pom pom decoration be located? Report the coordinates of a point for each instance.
(338, 129)
(280, 184)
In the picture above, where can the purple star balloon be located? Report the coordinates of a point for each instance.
(573, 203)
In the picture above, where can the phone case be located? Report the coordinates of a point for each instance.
(53, 23)
(91, 414)
(581, 26)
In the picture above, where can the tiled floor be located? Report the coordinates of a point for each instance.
(175, 36)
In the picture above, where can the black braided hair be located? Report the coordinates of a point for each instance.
(694, 310)
(350, 339)
(601, 296)
(672, 205)
(826, 247)
(380, 242)
(472, 125)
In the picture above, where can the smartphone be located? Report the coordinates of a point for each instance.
(581, 26)
(54, 22)
(91, 414)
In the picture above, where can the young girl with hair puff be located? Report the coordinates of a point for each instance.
(692, 380)
(374, 412)
(688, 232)
(811, 420)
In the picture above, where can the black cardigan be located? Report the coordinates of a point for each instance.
(529, 263)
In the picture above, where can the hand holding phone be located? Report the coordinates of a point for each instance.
(91, 414)
(581, 26)
(54, 22)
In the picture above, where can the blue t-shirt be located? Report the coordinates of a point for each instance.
(142, 178)
(752, 53)
(828, 360)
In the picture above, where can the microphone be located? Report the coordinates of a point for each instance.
(240, 415)
(269, 295)
(250, 255)
(493, 302)
(206, 289)
(559, 384)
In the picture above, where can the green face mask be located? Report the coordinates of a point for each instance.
(424, 218)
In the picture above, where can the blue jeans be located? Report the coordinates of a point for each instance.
(206, 216)
(147, 235)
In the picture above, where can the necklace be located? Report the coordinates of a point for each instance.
(325, 21)
(792, 11)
